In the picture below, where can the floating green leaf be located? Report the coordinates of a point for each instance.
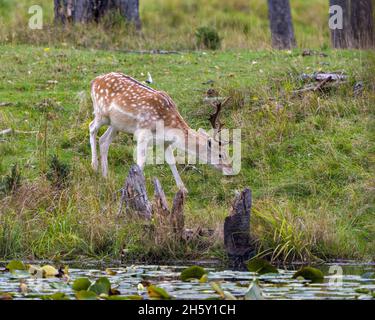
(216, 286)
(254, 292)
(310, 273)
(260, 266)
(362, 290)
(102, 285)
(56, 296)
(131, 297)
(203, 279)
(15, 265)
(157, 293)
(193, 272)
(86, 295)
(80, 284)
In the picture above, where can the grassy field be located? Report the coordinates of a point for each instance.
(171, 24)
(309, 160)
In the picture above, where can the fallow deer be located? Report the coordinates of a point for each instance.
(125, 104)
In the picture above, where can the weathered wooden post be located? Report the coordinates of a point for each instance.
(237, 239)
(177, 215)
(134, 194)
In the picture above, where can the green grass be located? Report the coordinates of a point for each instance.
(309, 161)
(170, 24)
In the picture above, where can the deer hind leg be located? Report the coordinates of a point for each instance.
(169, 157)
(143, 140)
(104, 141)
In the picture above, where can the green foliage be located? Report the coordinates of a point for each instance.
(260, 266)
(208, 38)
(86, 295)
(308, 158)
(101, 286)
(81, 284)
(15, 265)
(309, 273)
(155, 292)
(193, 272)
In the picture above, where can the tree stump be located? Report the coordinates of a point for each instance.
(237, 240)
(177, 215)
(160, 205)
(134, 194)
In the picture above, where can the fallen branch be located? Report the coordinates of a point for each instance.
(10, 130)
(6, 104)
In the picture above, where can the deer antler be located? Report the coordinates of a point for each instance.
(214, 118)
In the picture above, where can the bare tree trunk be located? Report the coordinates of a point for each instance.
(129, 9)
(281, 24)
(342, 38)
(362, 21)
(84, 11)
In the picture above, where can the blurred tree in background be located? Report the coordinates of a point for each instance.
(83, 11)
(358, 25)
(281, 24)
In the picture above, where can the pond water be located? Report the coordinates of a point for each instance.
(357, 282)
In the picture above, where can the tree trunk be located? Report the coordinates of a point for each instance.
(84, 11)
(129, 9)
(362, 22)
(237, 239)
(134, 194)
(177, 215)
(281, 24)
(342, 38)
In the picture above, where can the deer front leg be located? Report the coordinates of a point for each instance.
(94, 127)
(104, 142)
(169, 157)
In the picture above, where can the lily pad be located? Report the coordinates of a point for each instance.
(102, 285)
(260, 266)
(81, 284)
(15, 265)
(157, 293)
(36, 271)
(310, 273)
(193, 272)
(86, 295)
(362, 290)
(56, 296)
(50, 271)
